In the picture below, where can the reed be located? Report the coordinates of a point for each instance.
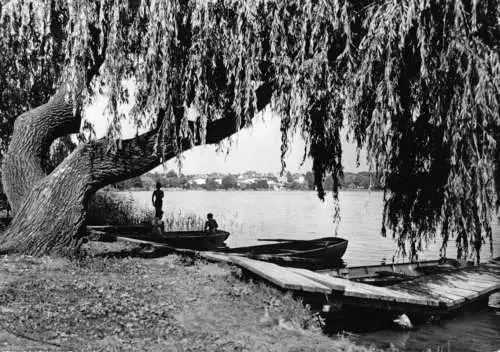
(183, 222)
(112, 208)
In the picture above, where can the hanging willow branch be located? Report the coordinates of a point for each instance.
(426, 98)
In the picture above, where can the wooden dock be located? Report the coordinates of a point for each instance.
(429, 293)
(437, 292)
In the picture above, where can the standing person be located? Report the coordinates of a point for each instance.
(211, 225)
(157, 199)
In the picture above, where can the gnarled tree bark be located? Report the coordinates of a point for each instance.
(34, 132)
(50, 210)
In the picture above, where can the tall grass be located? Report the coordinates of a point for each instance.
(183, 222)
(110, 208)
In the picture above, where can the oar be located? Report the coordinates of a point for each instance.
(281, 240)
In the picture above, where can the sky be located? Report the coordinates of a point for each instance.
(256, 148)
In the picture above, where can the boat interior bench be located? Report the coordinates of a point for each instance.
(289, 250)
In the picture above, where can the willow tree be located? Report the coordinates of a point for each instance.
(416, 82)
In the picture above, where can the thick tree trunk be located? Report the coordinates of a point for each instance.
(50, 210)
(51, 218)
(52, 214)
(34, 132)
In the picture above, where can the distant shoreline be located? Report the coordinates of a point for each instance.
(239, 190)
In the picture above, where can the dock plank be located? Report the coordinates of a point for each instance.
(455, 288)
(431, 300)
(356, 289)
(431, 296)
(479, 279)
(459, 282)
(493, 265)
(392, 296)
(485, 274)
(213, 256)
(466, 291)
(473, 284)
(280, 276)
(459, 278)
(448, 292)
(336, 284)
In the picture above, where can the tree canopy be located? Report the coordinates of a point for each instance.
(416, 82)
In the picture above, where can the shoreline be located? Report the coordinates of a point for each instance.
(350, 190)
(173, 303)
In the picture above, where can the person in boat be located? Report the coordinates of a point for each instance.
(4, 204)
(157, 199)
(211, 225)
(158, 227)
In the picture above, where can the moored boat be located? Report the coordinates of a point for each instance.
(388, 274)
(181, 239)
(193, 239)
(318, 253)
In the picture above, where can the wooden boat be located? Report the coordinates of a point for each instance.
(180, 239)
(193, 239)
(388, 274)
(312, 254)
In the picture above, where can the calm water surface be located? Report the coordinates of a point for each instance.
(300, 215)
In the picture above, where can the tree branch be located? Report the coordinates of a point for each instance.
(138, 155)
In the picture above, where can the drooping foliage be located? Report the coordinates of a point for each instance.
(426, 101)
(416, 81)
(31, 62)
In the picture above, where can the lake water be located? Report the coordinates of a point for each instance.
(249, 215)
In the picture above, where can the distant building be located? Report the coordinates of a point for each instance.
(246, 181)
(301, 179)
(197, 181)
(275, 186)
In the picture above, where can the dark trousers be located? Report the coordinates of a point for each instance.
(158, 211)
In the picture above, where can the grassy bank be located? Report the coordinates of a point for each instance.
(101, 303)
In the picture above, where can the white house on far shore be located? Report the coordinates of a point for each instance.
(197, 181)
(300, 179)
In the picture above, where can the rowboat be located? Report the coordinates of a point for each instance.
(181, 239)
(312, 254)
(193, 239)
(388, 274)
